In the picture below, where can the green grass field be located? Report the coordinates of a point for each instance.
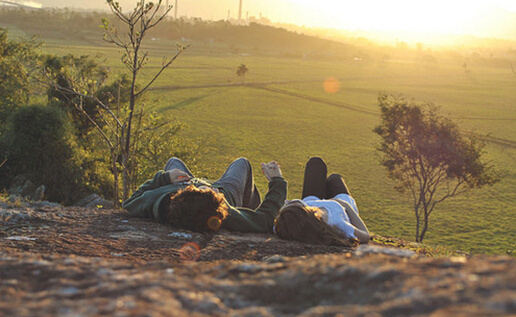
(284, 114)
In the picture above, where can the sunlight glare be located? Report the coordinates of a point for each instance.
(189, 252)
(32, 4)
(214, 223)
(331, 85)
(402, 18)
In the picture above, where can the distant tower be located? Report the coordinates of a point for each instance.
(240, 12)
(229, 14)
(175, 11)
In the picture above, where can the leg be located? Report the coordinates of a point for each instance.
(239, 181)
(314, 183)
(177, 163)
(335, 185)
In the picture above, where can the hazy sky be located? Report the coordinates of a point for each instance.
(484, 18)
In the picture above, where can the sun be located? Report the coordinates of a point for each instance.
(436, 17)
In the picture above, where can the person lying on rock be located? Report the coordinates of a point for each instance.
(176, 197)
(326, 214)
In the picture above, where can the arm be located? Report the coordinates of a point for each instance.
(361, 231)
(262, 219)
(141, 202)
(161, 178)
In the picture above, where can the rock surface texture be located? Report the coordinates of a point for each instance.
(57, 261)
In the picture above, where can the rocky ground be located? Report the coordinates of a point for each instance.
(57, 261)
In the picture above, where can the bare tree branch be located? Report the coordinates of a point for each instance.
(160, 71)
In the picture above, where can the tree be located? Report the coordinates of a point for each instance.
(117, 111)
(241, 71)
(428, 155)
(75, 77)
(17, 60)
(78, 86)
(144, 17)
(17, 64)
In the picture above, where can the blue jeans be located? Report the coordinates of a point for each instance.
(237, 180)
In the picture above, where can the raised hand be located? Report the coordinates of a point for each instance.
(271, 169)
(177, 176)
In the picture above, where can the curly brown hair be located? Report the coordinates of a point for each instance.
(305, 224)
(196, 209)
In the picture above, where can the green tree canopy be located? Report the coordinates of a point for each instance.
(17, 60)
(74, 78)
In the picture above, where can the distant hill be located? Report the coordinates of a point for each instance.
(260, 39)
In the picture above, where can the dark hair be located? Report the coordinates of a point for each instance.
(197, 209)
(305, 224)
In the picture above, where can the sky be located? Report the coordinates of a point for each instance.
(481, 18)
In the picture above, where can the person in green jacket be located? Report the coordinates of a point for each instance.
(232, 202)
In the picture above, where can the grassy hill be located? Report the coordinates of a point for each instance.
(282, 112)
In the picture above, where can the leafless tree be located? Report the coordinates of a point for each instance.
(137, 24)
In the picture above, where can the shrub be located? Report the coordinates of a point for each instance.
(41, 145)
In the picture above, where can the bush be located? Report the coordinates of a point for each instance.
(41, 146)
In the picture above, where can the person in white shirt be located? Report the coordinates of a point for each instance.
(327, 214)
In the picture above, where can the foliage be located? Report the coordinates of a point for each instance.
(103, 108)
(428, 155)
(17, 60)
(116, 111)
(74, 78)
(158, 142)
(42, 147)
(17, 64)
(81, 159)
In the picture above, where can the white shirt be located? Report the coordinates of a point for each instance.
(334, 208)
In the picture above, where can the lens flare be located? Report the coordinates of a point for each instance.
(189, 252)
(331, 85)
(214, 223)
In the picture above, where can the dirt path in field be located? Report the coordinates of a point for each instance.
(263, 86)
(319, 100)
(178, 87)
(57, 261)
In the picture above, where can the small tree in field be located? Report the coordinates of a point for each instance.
(241, 71)
(428, 156)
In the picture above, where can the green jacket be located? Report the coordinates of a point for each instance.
(145, 202)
